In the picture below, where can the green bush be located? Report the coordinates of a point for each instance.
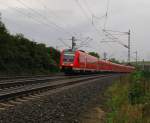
(129, 99)
(137, 90)
(19, 55)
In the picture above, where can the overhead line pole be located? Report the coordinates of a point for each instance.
(117, 40)
(129, 46)
(136, 56)
(73, 42)
(0, 16)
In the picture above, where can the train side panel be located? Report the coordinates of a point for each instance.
(82, 62)
(85, 62)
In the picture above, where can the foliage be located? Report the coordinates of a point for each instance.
(129, 99)
(54, 54)
(94, 54)
(114, 60)
(136, 90)
(19, 55)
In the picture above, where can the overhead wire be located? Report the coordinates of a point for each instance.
(53, 14)
(107, 31)
(106, 16)
(64, 43)
(117, 31)
(97, 18)
(16, 9)
(85, 42)
(89, 8)
(86, 15)
(46, 19)
(40, 14)
(48, 9)
(93, 15)
(109, 35)
(82, 9)
(22, 13)
(91, 12)
(29, 16)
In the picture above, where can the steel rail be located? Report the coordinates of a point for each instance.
(23, 82)
(9, 84)
(12, 93)
(26, 76)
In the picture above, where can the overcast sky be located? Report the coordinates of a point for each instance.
(54, 21)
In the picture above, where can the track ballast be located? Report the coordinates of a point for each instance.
(15, 89)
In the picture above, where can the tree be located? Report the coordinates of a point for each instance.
(114, 60)
(19, 55)
(94, 54)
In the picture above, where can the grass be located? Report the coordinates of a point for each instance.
(129, 99)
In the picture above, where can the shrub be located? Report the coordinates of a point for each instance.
(20, 55)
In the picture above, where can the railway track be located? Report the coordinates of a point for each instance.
(23, 82)
(6, 84)
(2, 78)
(38, 86)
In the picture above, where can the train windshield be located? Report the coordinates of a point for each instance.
(68, 56)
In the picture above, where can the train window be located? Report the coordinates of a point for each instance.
(68, 57)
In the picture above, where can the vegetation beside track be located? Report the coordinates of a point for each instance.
(129, 99)
(19, 55)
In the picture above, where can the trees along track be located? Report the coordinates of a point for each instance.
(30, 87)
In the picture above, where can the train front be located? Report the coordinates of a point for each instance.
(67, 61)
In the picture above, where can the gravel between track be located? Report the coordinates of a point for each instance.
(63, 106)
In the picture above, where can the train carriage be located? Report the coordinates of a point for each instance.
(79, 61)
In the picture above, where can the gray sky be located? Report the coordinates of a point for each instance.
(48, 21)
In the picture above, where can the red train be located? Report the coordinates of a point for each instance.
(79, 61)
